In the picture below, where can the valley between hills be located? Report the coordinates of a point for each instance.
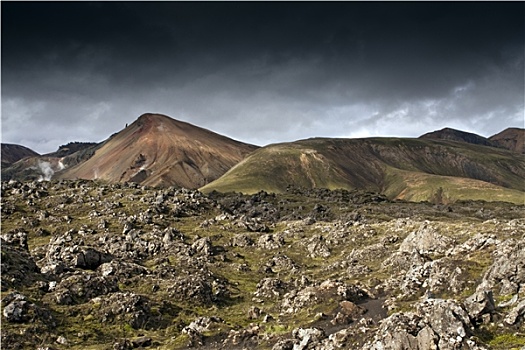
(169, 236)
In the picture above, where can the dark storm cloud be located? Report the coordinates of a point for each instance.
(260, 72)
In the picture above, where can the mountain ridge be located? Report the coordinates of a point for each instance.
(157, 150)
(386, 165)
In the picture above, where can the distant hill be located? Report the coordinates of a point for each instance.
(44, 167)
(12, 153)
(457, 135)
(410, 169)
(511, 138)
(157, 150)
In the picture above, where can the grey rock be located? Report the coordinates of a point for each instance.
(202, 246)
(307, 338)
(437, 324)
(141, 342)
(517, 313)
(17, 238)
(16, 308)
(479, 304)
(89, 258)
(118, 307)
(197, 288)
(317, 247)
(507, 274)
(242, 240)
(270, 288)
(426, 240)
(269, 241)
(284, 344)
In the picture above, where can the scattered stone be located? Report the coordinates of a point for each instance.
(17, 309)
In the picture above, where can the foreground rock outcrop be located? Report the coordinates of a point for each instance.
(123, 266)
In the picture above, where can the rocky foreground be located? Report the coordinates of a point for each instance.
(88, 265)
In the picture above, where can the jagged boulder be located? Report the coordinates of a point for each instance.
(479, 304)
(516, 314)
(81, 287)
(270, 241)
(202, 246)
(16, 238)
(426, 240)
(89, 258)
(307, 338)
(122, 270)
(197, 288)
(317, 247)
(17, 308)
(242, 240)
(270, 288)
(248, 336)
(196, 329)
(130, 308)
(17, 265)
(296, 300)
(437, 324)
(281, 262)
(507, 274)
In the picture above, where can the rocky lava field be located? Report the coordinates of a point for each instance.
(91, 265)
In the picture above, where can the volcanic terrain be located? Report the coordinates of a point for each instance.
(94, 265)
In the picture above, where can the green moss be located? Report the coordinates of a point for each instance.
(507, 341)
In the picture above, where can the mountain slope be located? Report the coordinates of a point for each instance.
(415, 169)
(12, 153)
(512, 139)
(157, 150)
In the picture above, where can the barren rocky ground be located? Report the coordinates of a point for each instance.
(90, 265)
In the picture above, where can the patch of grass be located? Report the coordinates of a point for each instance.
(277, 329)
(507, 341)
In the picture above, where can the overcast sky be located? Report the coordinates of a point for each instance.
(260, 72)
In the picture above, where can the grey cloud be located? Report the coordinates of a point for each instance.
(260, 72)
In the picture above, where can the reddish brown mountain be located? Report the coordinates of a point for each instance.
(511, 138)
(12, 153)
(157, 150)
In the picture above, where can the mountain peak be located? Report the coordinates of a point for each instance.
(458, 136)
(12, 153)
(158, 150)
(510, 138)
(153, 117)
